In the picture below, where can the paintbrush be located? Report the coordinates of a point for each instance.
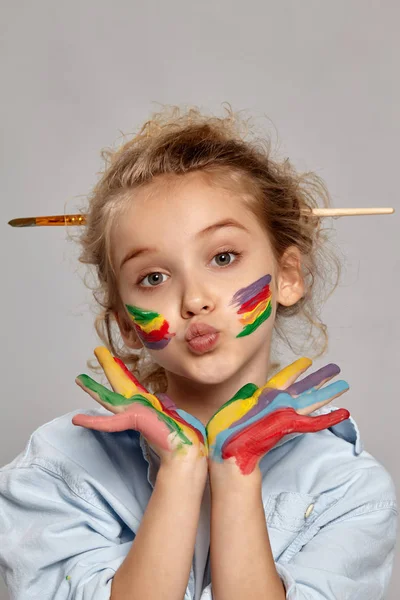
(49, 220)
(81, 219)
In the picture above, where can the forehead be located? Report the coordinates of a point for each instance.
(192, 199)
(170, 210)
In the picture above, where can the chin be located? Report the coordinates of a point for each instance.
(211, 368)
(211, 371)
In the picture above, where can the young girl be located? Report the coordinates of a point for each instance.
(212, 479)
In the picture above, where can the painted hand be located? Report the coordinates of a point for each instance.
(169, 430)
(246, 427)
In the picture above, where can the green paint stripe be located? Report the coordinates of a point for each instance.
(245, 392)
(260, 319)
(104, 394)
(115, 399)
(141, 316)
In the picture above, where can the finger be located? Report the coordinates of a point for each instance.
(131, 376)
(307, 402)
(121, 422)
(121, 380)
(314, 380)
(110, 400)
(231, 411)
(296, 423)
(310, 401)
(251, 411)
(288, 375)
(304, 404)
(158, 428)
(124, 421)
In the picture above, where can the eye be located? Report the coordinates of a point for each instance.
(153, 279)
(225, 258)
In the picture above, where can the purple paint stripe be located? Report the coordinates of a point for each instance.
(314, 380)
(156, 345)
(166, 401)
(245, 294)
(264, 400)
(267, 396)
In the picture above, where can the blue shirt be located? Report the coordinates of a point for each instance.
(72, 502)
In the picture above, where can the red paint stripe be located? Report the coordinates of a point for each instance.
(129, 374)
(177, 417)
(156, 335)
(252, 442)
(254, 314)
(252, 303)
(168, 411)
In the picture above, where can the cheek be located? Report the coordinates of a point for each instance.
(151, 327)
(254, 304)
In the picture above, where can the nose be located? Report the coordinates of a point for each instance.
(196, 300)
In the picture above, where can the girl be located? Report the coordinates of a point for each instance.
(212, 479)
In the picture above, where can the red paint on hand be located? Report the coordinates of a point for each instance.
(250, 444)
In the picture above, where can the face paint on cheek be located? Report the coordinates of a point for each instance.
(151, 327)
(255, 304)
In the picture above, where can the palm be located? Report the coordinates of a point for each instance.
(167, 428)
(254, 420)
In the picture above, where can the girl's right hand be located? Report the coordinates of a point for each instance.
(173, 434)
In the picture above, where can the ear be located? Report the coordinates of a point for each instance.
(128, 331)
(290, 282)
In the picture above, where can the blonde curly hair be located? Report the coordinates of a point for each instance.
(176, 141)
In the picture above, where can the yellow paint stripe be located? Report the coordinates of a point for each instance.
(249, 317)
(119, 381)
(289, 373)
(235, 411)
(154, 324)
(231, 413)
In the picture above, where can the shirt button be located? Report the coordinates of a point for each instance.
(309, 511)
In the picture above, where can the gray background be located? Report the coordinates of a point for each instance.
(76, 74)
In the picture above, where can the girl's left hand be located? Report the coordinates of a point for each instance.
(246, 427)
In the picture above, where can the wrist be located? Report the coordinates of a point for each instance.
(193, 469)
(228, 473)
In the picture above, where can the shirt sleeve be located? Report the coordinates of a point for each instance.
(351, 557)
(347, 551)
(350, 560)
(54, 544)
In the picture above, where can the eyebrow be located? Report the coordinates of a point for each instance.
(207, 231)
